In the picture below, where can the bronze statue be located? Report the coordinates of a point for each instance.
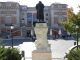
(40, 11)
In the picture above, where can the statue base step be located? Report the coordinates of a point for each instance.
(41, 55)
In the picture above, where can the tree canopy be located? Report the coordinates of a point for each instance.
(72, 21)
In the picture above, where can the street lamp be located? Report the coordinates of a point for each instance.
(77, 35)
(12, 27)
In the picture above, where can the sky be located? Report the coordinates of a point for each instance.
(32, 3)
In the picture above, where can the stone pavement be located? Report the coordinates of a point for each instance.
(58, 47)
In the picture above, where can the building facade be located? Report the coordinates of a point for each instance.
(23, 17)
(58, 15)
(9, 15)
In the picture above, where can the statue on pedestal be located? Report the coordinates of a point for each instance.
(43, 51)
(41, 29)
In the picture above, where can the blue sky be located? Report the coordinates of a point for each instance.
(32, 3)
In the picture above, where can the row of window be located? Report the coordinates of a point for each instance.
(60, 6)
(3, 4)
(7, 20)
(4, 7)
(31, 16)
(60, 13)
(59, 19)
(7, 12)
(8, 6)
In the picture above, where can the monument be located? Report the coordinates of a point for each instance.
(43, 49)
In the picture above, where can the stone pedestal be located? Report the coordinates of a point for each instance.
(43, 49)
(37, 55)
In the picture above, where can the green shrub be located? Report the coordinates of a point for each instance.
(9, 54)
(74, 55)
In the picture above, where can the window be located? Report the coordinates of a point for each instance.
(29, 23)
(46, 18)
(60, 13)
(8, 12)
(24, 7)
(63, 6)
(2, 20)
(55, 6)
(34, 17)
(0, 4)
(55, 20)
(14, 20)
(8, 20)
(46, 14)
(29, 20)
(29, 16)
(8, 4)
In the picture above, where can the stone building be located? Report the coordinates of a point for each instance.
(9, 15)
(22, 17)
(58, 15)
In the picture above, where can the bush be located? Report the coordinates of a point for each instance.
(74, 54)
(9, 54)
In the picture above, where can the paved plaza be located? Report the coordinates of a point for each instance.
(59, 47)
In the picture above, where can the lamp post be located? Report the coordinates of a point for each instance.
(77, 35)
(12, 27)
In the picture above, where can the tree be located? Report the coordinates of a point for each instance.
(9, 54)
(72, 21)
(69, 23)
(78, 19)
(74, 55)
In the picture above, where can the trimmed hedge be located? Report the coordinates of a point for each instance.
(9, 54)
(74, 54)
